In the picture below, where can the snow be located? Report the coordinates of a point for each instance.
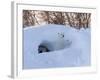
(72, 50)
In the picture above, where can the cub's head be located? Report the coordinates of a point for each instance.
(61, 35)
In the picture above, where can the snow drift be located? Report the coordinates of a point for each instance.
(68, 46)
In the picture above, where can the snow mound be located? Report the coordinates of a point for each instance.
(69, 47)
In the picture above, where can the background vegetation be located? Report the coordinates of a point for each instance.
(35, 17)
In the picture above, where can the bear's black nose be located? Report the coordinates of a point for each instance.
(63, 35)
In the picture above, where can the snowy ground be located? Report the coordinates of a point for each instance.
(71, 51)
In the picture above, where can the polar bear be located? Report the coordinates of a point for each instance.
(61, 41)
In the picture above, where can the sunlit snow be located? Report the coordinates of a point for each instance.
(70, 50)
